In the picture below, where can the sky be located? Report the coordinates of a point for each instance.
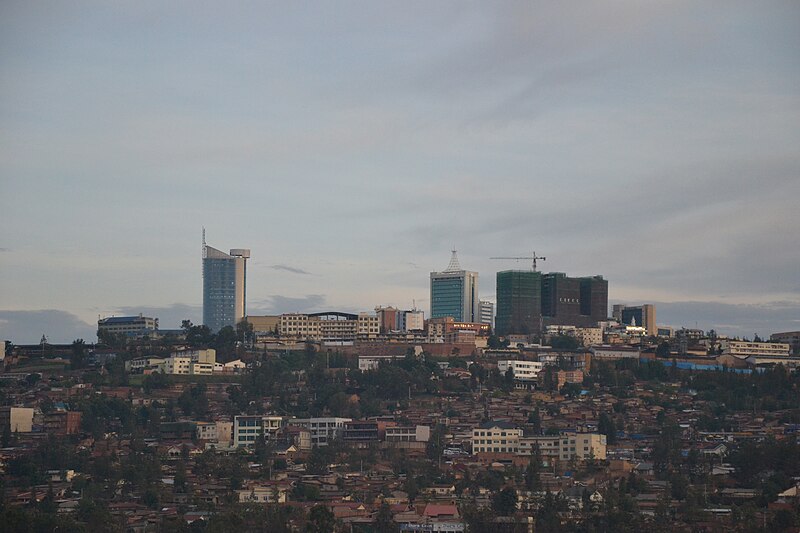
(352, 145)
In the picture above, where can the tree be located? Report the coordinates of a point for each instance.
(662, 352)
(533, 470)
(607, 427)
(244, 332)
(197, 336)
(320, 520)
(77, 358)
(384, 520)
(504, 503)
(563, 342)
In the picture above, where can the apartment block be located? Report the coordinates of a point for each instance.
(323, 429)
(17, 419)
(524, 371)
(248, 428)
(496, 437)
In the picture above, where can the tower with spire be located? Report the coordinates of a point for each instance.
(454, 293)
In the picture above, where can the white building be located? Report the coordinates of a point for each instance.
(525, 371)
(248, 428)
(487, 312)
(191, 362)
(127, 326)
(140, 364)
(323, 429)
(372, 362)
(412, 320)
(331, 327)
(219, 432)
(408, 434)
(614, 352)
(744, 349)
(496, 437)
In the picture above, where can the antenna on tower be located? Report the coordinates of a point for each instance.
(204, 242)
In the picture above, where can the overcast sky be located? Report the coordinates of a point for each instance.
(350, 146)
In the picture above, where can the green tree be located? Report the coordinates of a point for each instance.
(77, 358)
(533, 471)
(662, 351)
(320, 520)
(384, 520)
(607, 427)
(504, 502)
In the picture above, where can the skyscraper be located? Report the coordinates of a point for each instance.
(224, 286)
(579, 302)
(454, 292)
(519, 302)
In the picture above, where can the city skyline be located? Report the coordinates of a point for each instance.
(351, 146)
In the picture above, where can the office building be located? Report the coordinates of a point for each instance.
(487, 313)
(642, 315)
(792, 338)
(323, 429)
(454, 293)
(224, 286)
(332, 327)
(127, 326)
(496, 437)
(249, 428)
(578, 302)
(743, 349)
(519, 302)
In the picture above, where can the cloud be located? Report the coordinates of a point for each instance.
(277, 304)
(27, 327)
(292, 269)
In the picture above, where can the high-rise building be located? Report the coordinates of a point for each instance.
(519, 302)
(642, 315)
(454, 292)
(224, 286)
(487, 313)
(578, 302)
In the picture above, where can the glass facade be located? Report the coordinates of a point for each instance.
(447, 298)
(219, 292)
(519, 302)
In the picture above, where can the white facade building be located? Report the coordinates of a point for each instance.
(496, 437)
(322, 429)
(248, 428)
(522, 370)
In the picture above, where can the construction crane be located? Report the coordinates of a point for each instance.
(533, 257)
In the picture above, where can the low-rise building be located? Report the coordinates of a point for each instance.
(566, 446)
(407, 437)
(525, 373)
(62, 423)
(323, 429)
(360, 433)
(16, 419)
(496, 437)
(249, 428)
(613, 353)
(792, 338)
(745, 349)
(127, 326)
